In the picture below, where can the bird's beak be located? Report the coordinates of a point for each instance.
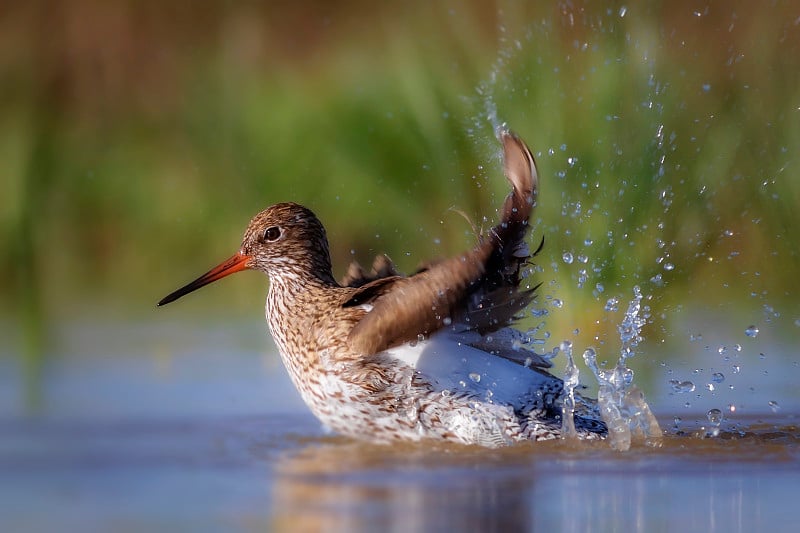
(235, 264)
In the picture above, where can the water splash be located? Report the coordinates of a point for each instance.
(715, 418)
(625, 410)
(571, 380)
(622, 405)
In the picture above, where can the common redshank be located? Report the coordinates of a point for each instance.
(434, 355)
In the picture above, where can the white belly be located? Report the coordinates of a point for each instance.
(451, 365)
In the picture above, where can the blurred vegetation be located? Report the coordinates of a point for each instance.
(138, 138)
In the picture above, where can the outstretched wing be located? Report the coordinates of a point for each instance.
(480, 287)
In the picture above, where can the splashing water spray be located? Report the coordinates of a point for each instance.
(622, 404)
(571, 380)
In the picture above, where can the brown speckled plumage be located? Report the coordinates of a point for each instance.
(384, 356)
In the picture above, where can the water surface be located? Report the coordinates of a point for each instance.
(193, 427)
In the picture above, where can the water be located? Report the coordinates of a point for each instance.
(640, 248)
(622, 404)
(202, 431)
(237, 474)
(571, 381)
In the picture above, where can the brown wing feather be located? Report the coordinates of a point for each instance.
(414, 306)
(382, 267)
(369, 292)
(459, 288)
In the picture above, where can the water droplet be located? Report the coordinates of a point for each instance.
(589, 355)
(710, 387)
(582, 277)
(462, 383)
(751, 331)
(737, 347)
(557, 303)
(681, 386)
(567, 257)
(583, 259)
(717, 377)
(627, 376)
(589, 242)
(722, 349)
(736, 369)
(714, 417)
(599, 288)
(669, 266)
(475, 377)
(677, 420)
(774, 406)
(447, 321)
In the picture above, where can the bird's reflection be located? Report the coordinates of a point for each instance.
(348, 486)
(341, 485)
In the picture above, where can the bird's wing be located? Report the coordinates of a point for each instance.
(480, 287)
(356, 276)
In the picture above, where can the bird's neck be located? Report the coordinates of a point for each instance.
(301, 284)
(297, 287)
(293, 311)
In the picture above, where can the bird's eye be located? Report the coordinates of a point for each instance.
(272, 233)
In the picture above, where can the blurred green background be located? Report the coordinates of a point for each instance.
(138, 138)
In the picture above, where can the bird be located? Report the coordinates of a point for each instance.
(385, 357)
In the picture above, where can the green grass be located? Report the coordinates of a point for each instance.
(137, 145)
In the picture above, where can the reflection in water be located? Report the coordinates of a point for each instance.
(255, 473)
(352, 486)
(739, 482)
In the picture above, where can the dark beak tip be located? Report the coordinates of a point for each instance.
(235, 264)
(171, 297)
